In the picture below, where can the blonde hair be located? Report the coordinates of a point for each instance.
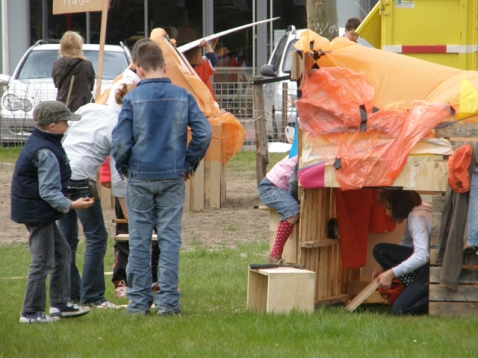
(71, 45)
(123, 91)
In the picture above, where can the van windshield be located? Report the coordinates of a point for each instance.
(39, 64)
(288, 58)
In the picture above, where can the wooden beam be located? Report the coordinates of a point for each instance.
(362, 296)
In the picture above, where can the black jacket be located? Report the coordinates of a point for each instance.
(82, 84)
(27, 207)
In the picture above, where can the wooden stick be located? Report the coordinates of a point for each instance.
(362, 296)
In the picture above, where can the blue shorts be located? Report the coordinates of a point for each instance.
(278, 199)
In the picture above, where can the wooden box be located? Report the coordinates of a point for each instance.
(281, 290)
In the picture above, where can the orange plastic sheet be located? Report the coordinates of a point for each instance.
(397, 79)
(372, 146)
(228, 133)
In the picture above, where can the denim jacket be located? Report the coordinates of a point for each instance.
(150, 141)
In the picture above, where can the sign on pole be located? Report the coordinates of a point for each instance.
(71, 6)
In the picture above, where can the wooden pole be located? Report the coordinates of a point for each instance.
(262, 150)
(104, 19)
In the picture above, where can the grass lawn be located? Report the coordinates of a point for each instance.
(216, 322)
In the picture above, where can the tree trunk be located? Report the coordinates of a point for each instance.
(322, 17)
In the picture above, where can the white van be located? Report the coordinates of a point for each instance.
(279, 65)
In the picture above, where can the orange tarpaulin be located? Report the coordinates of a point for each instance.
(397, 79)
(226, 127)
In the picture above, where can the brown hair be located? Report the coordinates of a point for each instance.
(149, 56)
(193, 53)
(352, 24)
(123, 91)
(400, 202)
(71, 45)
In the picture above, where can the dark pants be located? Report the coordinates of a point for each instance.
(414, 299)
(121, 250)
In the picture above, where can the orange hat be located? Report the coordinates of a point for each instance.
(458, 163)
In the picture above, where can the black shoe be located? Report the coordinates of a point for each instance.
(68, 310)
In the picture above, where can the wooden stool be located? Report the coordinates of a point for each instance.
(281, 290)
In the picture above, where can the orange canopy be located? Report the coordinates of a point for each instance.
(397, 79)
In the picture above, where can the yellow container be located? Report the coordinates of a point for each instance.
(439, 31)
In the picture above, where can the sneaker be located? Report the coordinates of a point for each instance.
(164, 313)
(276, 260)
(121, 287)
(106, 305)
(36, 317)
(68, 310)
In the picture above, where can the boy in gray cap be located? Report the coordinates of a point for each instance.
(38, 199)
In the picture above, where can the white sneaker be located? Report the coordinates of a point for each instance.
(67, 310)
(106, 305)
(121, 288)
(37, 317)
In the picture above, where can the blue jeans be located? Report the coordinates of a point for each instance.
(154, 203)
(414, 298)
(473, 210)
(90, 288)
(50, 254)
(278, 199)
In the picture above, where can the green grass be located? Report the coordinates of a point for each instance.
(216, 322)
(9, 154)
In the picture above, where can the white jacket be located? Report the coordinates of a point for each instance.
(87, 142)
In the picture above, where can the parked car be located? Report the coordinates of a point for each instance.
(31, 83)
(279, 65)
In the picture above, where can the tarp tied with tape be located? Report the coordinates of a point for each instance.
(349, 122)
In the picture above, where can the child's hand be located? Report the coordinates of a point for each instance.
(106, 184)
(82, 203)
(188, 175)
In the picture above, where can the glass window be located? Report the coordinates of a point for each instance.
(38, 64)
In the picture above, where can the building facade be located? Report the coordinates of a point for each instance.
(184, 20)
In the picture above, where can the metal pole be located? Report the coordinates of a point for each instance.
(5, 42)
(88, 28)
(146, 17)
(253, 39)
(271, 37)
(44, 20)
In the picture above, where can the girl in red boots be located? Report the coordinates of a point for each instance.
(278, 190)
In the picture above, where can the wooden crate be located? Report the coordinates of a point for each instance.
(280, 290)
(446, 302)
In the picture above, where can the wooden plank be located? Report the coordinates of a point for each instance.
(197, 189)
(223, 185)
(458, 129)
(187, 199)
(452, 308)
(467, 276)
(318, 243)
(216, 185)
(464, 293)
(355, 287)
(125, 237)
(333, 300)
(426, 176)
(362, 296)
(207, 183)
